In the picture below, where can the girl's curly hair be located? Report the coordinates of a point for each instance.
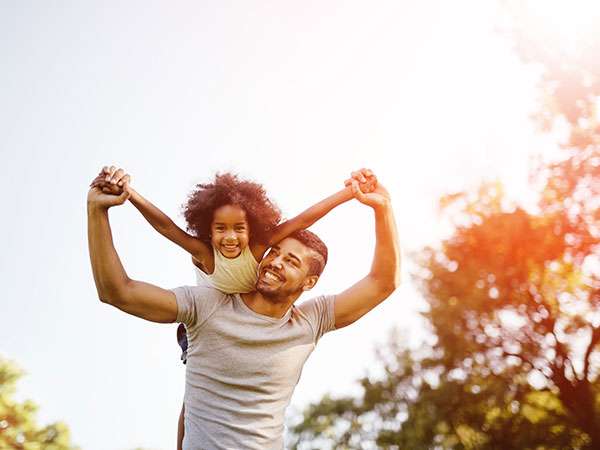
(227, 189)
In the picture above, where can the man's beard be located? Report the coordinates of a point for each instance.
(279, 295)
(274, 295)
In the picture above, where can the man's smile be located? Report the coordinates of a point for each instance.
(271, 275)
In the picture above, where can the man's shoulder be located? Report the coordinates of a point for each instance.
(207, 289)
(319, 312)
(200, 291)
(196, 303)
(315, 303)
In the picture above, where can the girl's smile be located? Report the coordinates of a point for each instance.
(229, 230)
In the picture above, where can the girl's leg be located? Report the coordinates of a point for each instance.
(183, 343)
(180, 429)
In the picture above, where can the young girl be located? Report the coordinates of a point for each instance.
(232, 223)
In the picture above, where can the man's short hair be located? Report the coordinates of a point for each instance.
(312, 241)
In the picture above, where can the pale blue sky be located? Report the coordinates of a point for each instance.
(291, 94)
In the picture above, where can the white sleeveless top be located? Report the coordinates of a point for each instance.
(231, 275)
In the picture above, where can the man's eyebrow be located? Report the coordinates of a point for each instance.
(295, 257)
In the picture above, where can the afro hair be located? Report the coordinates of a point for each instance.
(227, 189)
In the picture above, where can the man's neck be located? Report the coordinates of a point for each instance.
(261, 305)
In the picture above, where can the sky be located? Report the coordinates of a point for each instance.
(295, 95)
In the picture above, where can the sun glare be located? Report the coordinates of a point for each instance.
(570, 24)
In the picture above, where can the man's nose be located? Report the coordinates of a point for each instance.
(277, 261)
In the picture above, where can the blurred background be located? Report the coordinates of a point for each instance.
(480, 117)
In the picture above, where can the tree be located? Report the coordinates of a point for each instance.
(513, 366)
(514, 302)
(18, 427)
(511, 299)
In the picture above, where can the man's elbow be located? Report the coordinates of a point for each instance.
(114, 296)
(388, 285)
(388, 289)
(104, 298)
(397, 280)
(109, 298)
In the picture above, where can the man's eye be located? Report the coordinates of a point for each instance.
(292, 261)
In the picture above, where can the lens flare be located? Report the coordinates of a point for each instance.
(565, 25)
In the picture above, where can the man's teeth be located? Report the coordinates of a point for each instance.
(270, 276)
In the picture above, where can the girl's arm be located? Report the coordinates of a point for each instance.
(165, 226)
(367, 183)
(304, 220)
(201, 253)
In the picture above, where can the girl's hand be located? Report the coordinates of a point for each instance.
(367, 181)
(376, 196)
(111, 180)
(109, 188)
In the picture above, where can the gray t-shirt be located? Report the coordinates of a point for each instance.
(242, 367)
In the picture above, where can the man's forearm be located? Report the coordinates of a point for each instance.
(386, 261)
(112, 283)
(109, 275)
(383, 278)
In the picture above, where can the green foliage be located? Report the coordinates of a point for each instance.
(515, 365)
(18, 426)
(514, 305)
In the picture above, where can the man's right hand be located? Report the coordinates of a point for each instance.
(109, 188)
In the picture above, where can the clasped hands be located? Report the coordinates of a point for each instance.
(111, 187)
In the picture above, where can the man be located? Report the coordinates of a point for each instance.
(246, 351)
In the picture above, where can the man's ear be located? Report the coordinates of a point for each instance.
(309, 282)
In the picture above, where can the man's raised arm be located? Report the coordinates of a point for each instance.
(112, 283)
(384, 275)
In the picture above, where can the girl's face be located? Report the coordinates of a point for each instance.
(229, 230)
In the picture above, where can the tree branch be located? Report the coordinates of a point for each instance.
(595, 338)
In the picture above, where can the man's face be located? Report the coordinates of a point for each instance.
(284, 271)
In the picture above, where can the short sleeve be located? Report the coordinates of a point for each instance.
(320, 314)
(195, 304)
